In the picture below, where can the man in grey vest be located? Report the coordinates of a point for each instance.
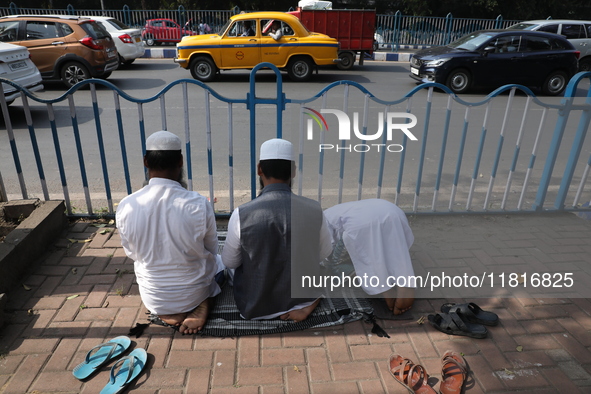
(273, 239)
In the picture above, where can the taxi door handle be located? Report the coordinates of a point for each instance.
(293, 39)
(57, 43)
(252, 39)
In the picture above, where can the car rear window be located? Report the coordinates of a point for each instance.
(573, 31)
(117, 24)
(549, 28)
(94, 30)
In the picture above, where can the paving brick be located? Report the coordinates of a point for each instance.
(247, 376)
(60, 359)
(215, 343)
(273, 340)
(530, 378)
(9, 364)
(188, 359)
(335, 387)
(302, 339)
(41, 320)
(318, 364)
(354, 370)
(198, 381)
(103, 252)
(284, 356)
(224, 368)
(536, 342)
(26, 374)
(98, 265)
(35, 346)
(420, 340)
(93, 314)
(338, 351)
(163, 378)
(574, 347)
(370, 352)
(56, 381)
(465, 346)
(372, 386)
(542, 326)
(66, 329)
(484, 374)
(296, 379)
(76, 260)
(125, 319)
(576, 330)
(159, 348)
(249, 351)
(97, 296)
(97, 279)
(528, 359)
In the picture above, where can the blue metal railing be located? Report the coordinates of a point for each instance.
(450, 133)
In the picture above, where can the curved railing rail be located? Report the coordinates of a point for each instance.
(432, 151)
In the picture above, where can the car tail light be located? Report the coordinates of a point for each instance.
(91, 43)
(126, 38)
(577, 54)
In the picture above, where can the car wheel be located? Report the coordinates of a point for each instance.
(376, 46)
(459, 81)
(347, 60)
(300, 69)
(585, 65)
(150, 40)
(74, 72)
(106, 75)
(555, 83)
(203, 69)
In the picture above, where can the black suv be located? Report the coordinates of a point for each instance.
(493, 58)
(70, 48)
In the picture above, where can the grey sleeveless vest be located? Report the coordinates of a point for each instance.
(269, 233)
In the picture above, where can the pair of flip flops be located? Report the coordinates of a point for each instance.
(463, 319)
(414, 377)
(123, 372)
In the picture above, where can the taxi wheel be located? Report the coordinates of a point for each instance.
(555, 83)
(300, 69)
(459, 81)
(74, 72)
(347, 59)
(203, 69)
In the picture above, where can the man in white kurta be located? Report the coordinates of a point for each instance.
(377, 237)
(170, 234)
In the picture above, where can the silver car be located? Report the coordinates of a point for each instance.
(577, 32)
(127, 40)
(16, 65)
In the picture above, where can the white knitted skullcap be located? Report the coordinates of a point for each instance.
(163, 140)
(276, 148)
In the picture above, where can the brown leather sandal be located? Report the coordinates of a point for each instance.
(453, 373)
(412, 376)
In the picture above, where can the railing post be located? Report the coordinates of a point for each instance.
(251, 102)
(448, 24)
(499, 22)
(13, 9)
(236, 10)
(71, 10)
(580, 134)
(397, 17)
(182, 15)
(563, 114)
(126, 15)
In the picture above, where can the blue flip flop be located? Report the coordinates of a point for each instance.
(125, 371)
(100, 355)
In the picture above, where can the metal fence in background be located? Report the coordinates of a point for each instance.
(511, 152)
(393, 31)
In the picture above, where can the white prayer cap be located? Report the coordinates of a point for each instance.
(276, 148)
(163, 140)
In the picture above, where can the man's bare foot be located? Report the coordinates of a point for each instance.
(195, 319)
(299, 315)
(390, 298)
(404, 300)
(173, 320)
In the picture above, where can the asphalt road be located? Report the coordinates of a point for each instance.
(146, 78)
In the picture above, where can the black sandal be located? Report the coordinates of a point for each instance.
(472, 313)
(452, 324)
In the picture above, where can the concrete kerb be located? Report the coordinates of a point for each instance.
(170, 53)
(27, 242)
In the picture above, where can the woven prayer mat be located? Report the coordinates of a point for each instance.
(224, 319)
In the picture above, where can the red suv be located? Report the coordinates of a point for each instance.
(159, 31)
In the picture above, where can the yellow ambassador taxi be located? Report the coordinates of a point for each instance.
(249, 39)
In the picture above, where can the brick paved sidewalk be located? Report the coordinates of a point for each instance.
(83, 293)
